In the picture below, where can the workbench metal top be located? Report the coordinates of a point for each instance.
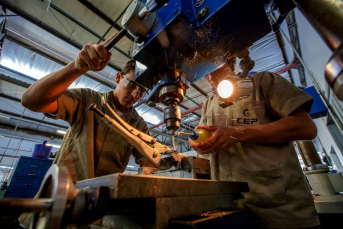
(143, 186)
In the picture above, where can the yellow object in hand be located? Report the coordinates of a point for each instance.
(200, 135)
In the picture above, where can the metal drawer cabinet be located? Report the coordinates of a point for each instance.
(27, 176)
(21, 192)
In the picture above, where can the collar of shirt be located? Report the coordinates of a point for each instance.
(131, 113)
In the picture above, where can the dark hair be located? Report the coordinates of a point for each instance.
(130, 65)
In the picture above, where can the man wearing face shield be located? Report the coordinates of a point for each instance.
(252, 142)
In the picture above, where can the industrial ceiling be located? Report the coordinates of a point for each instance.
(39, 37)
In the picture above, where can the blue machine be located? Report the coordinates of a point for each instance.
(198, 36)
(182, 41)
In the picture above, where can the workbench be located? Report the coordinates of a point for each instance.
(138, 201)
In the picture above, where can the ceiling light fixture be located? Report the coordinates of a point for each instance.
(4, 117)
(5, 167)
(61, 131)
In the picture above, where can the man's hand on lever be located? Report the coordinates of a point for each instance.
(93, 57)
(42, 95)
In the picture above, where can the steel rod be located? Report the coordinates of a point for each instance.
(25, 205)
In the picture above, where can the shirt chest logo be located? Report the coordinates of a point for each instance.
(246, 119)
(246, 113)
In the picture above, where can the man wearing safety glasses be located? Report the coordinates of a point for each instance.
(89, 148)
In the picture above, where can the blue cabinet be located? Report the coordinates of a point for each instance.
(27, 176)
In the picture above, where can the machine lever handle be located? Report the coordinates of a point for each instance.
(115, 39)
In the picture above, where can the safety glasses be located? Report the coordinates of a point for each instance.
(134, 87)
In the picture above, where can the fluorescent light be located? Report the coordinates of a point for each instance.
(61, 131)
(130, 166)
(55, 146)
(4, 117)
(5, 167)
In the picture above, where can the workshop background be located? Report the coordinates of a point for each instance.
(39, 37)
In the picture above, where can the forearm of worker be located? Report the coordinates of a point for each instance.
(42, 95)
(297, 126)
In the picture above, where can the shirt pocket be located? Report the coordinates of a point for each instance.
(266, 187)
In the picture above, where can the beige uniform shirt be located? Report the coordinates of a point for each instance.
(90, 148)
(279, 195)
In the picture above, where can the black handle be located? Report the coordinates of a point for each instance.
(115, 39)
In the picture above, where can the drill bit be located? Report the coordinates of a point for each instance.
(173, 138)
